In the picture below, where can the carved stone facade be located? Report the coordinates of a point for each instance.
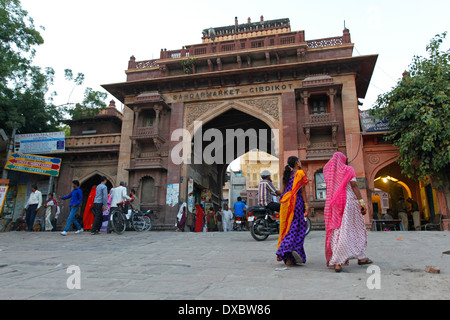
(306, 92)
(92, 151)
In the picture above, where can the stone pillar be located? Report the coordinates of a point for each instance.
(353, 137)
(136, 121)
(132, 63)
(305, 95)
(125, 145)
(157, 109)
(346, 36)
(331, 94)
(289, 146)
(174, 170)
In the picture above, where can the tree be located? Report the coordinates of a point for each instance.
(93, 102)
(22, 85)
(418, 114)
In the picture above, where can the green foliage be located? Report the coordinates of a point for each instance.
(93, 103)
(418, 113)
(188, 65)
(23, 87)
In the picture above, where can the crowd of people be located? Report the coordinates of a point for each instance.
(199, 221)
(96, 214)
(346, 234)
(345, 231)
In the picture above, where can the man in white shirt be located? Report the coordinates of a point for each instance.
(32, 206)
(118, 194)
(227, 215)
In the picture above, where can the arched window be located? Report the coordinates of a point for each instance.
(148, 190)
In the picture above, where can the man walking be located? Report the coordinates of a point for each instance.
(31, 208)
(100, 201)
(75, 199)
(227, 216)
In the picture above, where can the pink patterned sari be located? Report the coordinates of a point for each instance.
(337, 176)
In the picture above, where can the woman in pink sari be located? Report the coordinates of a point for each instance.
(346, 235)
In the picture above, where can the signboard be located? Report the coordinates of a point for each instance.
(39, 143)
(34, 164)
(3, 191)
(191, 198)
(173, 191)
(361, 182)
(370, 124)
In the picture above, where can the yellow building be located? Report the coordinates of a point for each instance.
(252, 164)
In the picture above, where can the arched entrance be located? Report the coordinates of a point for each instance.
(396, 189)
(218, 141)
(390, 181)
(87, 186)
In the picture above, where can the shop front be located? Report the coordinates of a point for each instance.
(19, 189)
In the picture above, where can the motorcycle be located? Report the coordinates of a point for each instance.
(263, 222)
(239, 224)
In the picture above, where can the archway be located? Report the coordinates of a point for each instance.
(391, 191)
(224, 138)
(87, 186)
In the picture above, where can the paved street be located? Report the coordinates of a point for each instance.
(219, 266)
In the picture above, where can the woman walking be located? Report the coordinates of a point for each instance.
(88, 216)
(211, 221)
(181, 218)
(293, 211)
(346, 235)
(200, 219)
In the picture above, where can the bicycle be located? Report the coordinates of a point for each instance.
(148, 220)
(121, 219)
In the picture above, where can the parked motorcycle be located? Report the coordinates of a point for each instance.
(263, 222)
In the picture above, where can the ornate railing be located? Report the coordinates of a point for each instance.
(320, 118)
(327, 42)
(146, 64)
(93, 140)
(146, 131)
(227, 47)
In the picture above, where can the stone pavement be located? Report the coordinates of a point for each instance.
(220, 266)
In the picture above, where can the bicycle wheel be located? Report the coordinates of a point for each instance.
(138, 222)
(148, 223)
(118, 221)
(308, 225)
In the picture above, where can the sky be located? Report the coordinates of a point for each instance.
(98, 37)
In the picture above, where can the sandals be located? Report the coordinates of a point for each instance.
(364, 261)
(289, 263)
(297, 257)
(338, 268)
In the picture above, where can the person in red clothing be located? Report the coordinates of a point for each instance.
(199, 220)
(88, 215)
